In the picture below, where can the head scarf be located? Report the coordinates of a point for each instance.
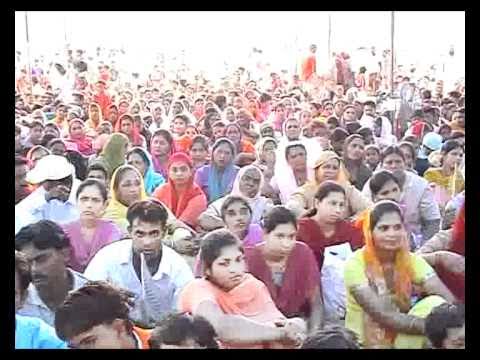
(100, 142)
(116, 211)
(83, 142)
(257, 203)
(134, 138)
(375, 335)
(113, 153)
(169, 196)
(90, 123)
(151, 178)
(323, 158)
(239, 149)
(183, 143)
(259, 146)
(218, 183)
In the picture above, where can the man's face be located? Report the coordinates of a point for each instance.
(47, 265)
(36, 134)
(349, 114)
(103, 336)
(339, 107)
(369, 110)
(58, 189)
(147, 238)
(459, 119)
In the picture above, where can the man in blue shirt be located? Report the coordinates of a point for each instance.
(30, 333)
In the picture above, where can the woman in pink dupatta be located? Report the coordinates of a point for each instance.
(90, 233)
(162, 146)
(237, 304)
(76, 131)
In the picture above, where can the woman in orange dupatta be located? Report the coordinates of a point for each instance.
(181, 194)
(382, 308)
(237, 304)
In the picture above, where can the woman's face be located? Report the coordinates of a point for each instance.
(157, 113)
(454, 157)
(238, 218)
(126, 126)
(407, 154)
(58, 149)
(160, 146)
(129, 188)
(76, 130)
(332, 207)
(230, 116)
(292, 129)
(281, 240)
(233, 134)
(372, 157)
(90, 203)
(198, 153)
(199, 105)
(389, 191)
(179, 126)
(123, 107)
(250, 183)
(180, 173)
(228, 270)
(223, 155)
(306, 118)
(389, 233)
(355, 150)
(177, 108)
(328, 171)
(328, 110)
(94, 113)
(191, 132)
(218, 131)
(138, 162)
(237, 103)
(394, 163)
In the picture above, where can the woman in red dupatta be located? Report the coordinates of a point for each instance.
(76, 131)
(126, 125)
(181, 194)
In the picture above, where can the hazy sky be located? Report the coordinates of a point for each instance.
(211, 36)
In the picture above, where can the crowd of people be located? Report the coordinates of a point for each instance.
(240, 212)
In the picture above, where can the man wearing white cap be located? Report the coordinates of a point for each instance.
(55, 197)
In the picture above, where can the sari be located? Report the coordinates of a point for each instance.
(249, 299)
(214, 182)
(90, 124)
(116, 211)
(157, 165)
(188, 205)
(151, 179)
(113, 153)
(83, 142)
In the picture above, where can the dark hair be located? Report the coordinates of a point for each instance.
(290, 146)
(165, 134)
(177, 328)
(264, 97)
(442, 318)
(380, 178)
(450, 145)
(22, 267)
(95, 303)
(79, 162)
(381, 208)
(370, 103)
(214, 242)
(184, 118)
(150, 211)
(332, 337)
(338, 134)
(389, 150)
(323, 191)
(222, 140)
(55, 141)
(456, 135)
(278, 215)
(44, 234)
(364, 132)
(93, 182)
(353, 127)
(348, 141)
(98, 167)
(231, 199)
(200, 139)
(20, 160)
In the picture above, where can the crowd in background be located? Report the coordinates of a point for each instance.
(258, 210)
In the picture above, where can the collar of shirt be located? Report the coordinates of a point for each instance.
(165, 267)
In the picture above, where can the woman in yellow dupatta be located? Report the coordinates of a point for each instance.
(329, 166)
(380, 280)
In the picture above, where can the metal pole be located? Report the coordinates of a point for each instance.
(28, 53)
(392, 54)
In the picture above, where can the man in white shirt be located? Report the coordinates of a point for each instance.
(55, 197)
(154, 273)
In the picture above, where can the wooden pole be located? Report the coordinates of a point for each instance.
(392, 52)
(29, 68)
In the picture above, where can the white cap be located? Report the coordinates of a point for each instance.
(50, 167)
